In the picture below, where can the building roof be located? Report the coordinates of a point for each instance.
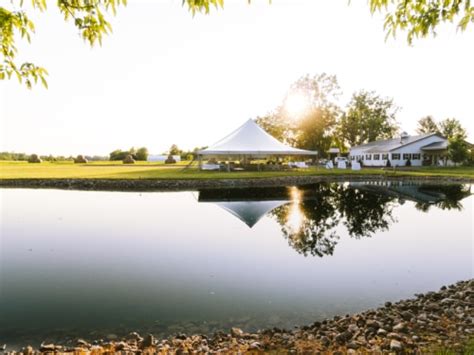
(436, 146)
(251, 139)
(388, 145)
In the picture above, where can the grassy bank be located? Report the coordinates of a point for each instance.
(116, 170)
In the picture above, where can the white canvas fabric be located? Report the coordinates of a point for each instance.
(355, 165)
(341, 164)
(251, 139)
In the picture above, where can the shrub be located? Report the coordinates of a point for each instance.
(119, 154)
(408, 162)
(388, 165)
(170, 160)
(34, 159)
(458, 150)
(142, 154)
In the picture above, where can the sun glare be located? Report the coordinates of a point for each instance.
(295, 217)
(296, 104)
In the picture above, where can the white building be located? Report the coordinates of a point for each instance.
(426, 149)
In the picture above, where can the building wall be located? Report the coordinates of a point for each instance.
(413, 148)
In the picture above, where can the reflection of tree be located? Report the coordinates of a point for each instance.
(309, 222)
(365, 213)
(316, 217)
(451, 196)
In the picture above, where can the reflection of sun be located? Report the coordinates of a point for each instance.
(296, 104)
(295, 217)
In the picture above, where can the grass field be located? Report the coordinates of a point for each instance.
(114, 170)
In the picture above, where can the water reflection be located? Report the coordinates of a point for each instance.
(89, 264)
(309, 215)
(247, 205)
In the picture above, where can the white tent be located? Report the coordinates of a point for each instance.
(252, 141)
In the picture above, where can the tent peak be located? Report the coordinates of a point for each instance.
(251, 139)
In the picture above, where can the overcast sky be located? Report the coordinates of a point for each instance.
(164, 77)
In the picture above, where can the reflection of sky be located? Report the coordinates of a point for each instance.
(93, 258)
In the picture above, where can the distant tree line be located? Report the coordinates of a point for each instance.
(12, 156)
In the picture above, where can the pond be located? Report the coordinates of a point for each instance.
(101, 264)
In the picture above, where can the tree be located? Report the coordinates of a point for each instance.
(142, 154)
(458, 150)
(315, 130)
(119, 155)
(369, 117)
(451, 128)
(427, 125)
(174, 150)
(89, 17)
(277, 125)
(420, 18)
(312, 125)
(316, 122)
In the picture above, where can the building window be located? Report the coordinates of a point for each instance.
(406, 156)
(395, 156)
(384, 156)
(361, 157)
(416, 156)
(368, 157)
(376, 156)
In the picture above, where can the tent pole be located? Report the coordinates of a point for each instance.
(228, 164)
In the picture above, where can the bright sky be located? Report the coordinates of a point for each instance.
(164, 77)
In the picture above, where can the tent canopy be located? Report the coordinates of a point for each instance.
(251, 139)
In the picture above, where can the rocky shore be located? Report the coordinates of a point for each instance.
(143, 185)
(429, 323)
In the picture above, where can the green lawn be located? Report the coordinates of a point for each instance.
(117, 170)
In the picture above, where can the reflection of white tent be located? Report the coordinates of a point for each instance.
(251, 140)
(250, 212)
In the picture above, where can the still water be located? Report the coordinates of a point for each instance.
(97, 264)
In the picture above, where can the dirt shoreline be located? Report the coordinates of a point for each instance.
(199, 184)
(429, 323)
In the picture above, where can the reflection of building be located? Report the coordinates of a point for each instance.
(427, 149)
(247, 205)
(420, 193)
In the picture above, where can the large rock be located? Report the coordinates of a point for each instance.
(396, 345)
(80, 160)
(170, 160)
(236, 332)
